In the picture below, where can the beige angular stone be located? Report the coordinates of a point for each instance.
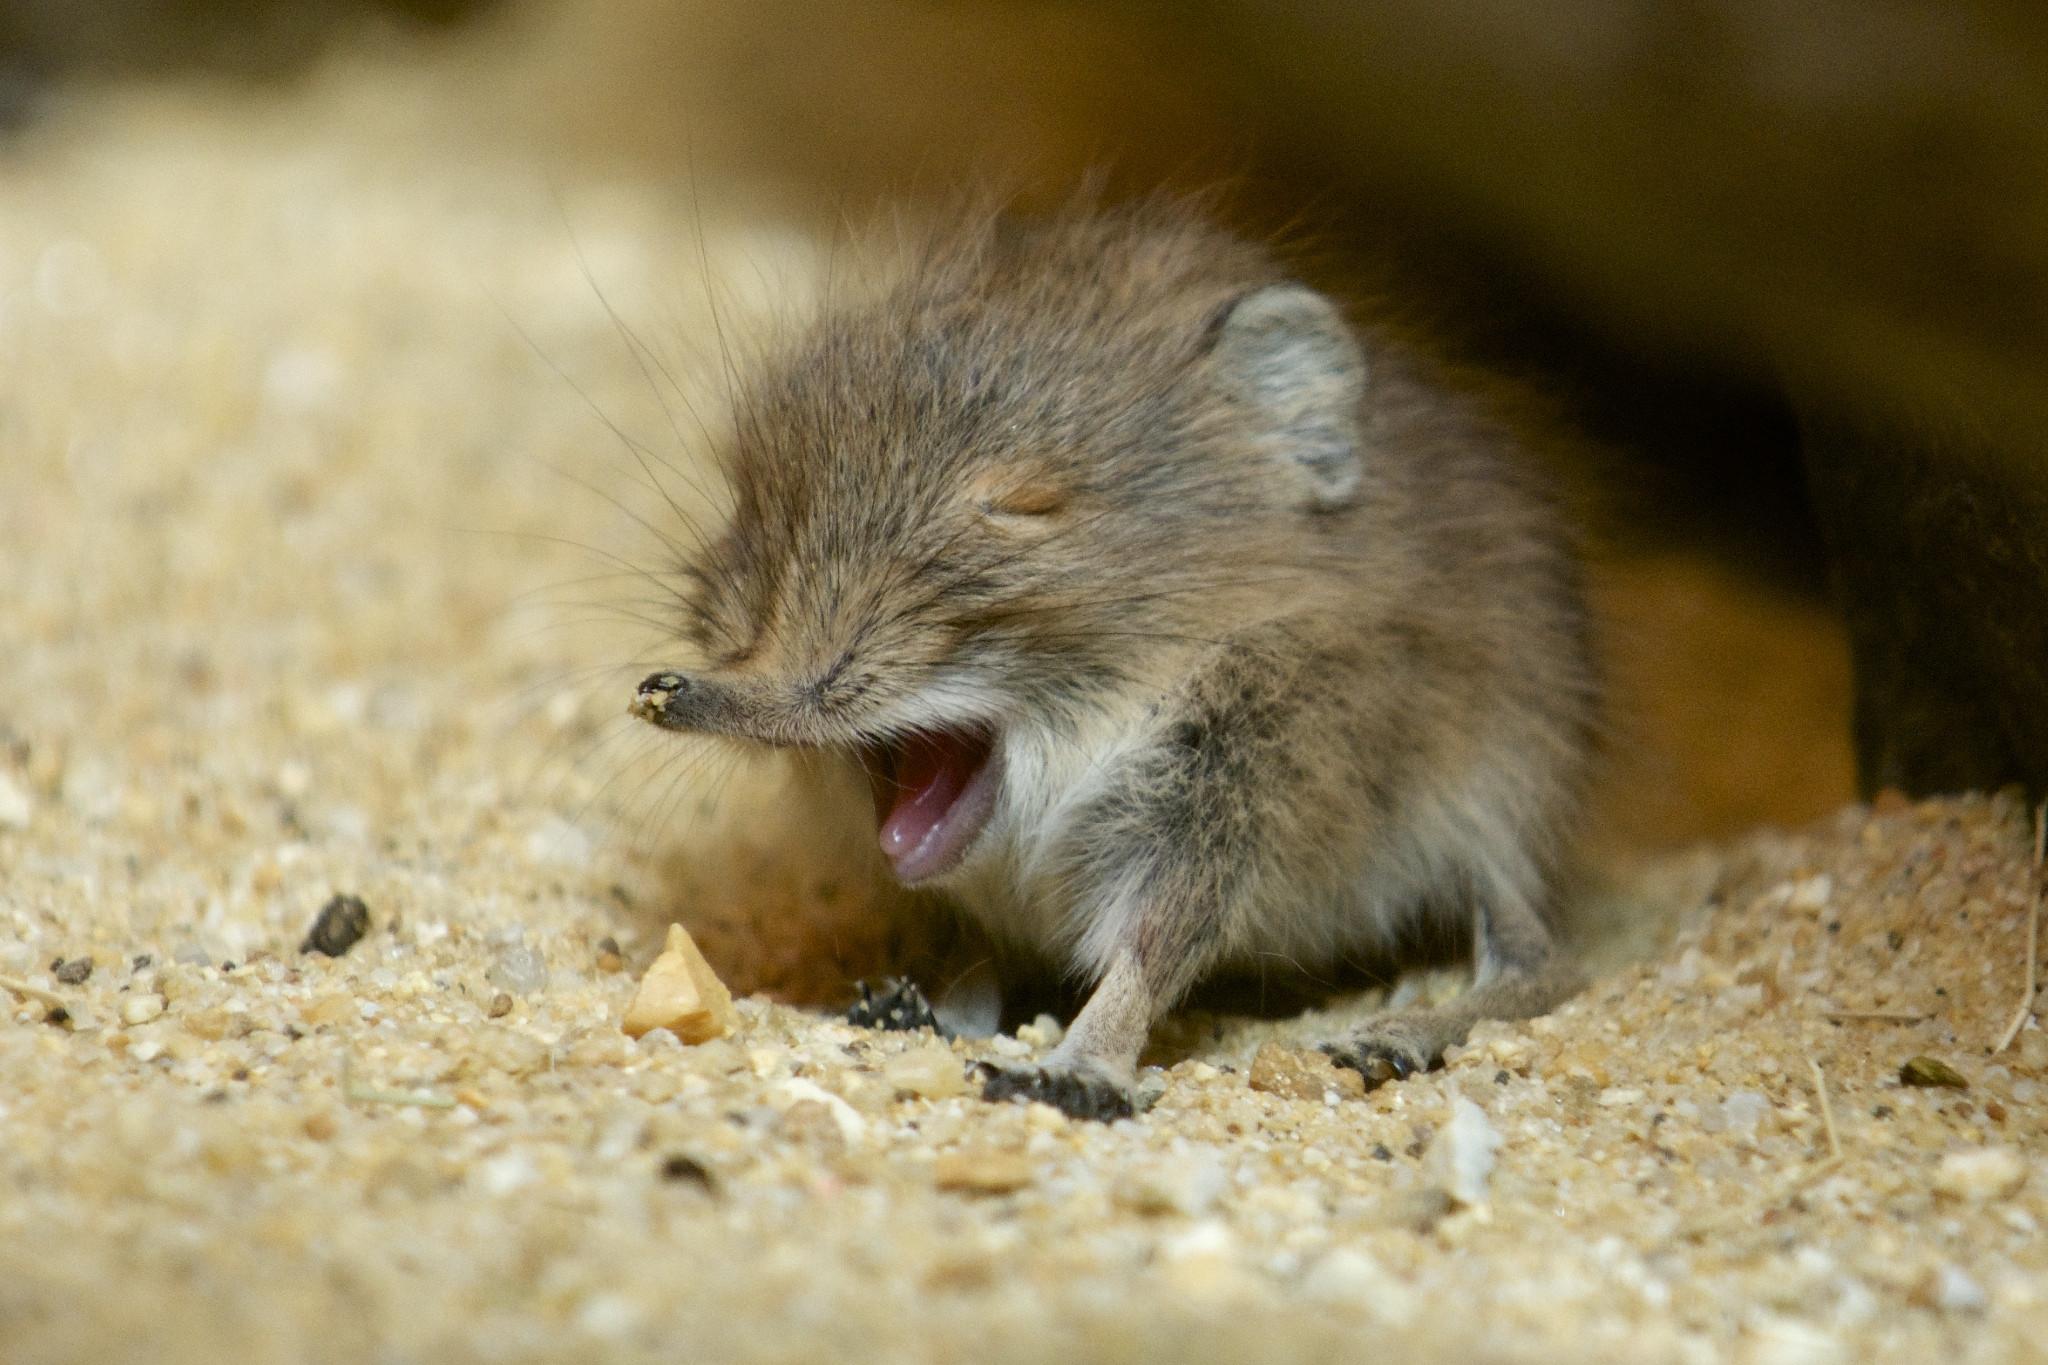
(681, 994)
(1301, 1075)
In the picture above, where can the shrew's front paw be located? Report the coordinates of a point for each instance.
(899, 1007)
(1394, 1047)
(1077, 1092)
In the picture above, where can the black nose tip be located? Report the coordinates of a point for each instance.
(656, 694)
(662, 682)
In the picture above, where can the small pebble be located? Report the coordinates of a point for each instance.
(15, 806)
(931, 1072)
(518, 968)
(1043, 1033)
(1346, 1276)
(1979, 1174)
(1956, 1292)
(1460, 1157)
(685, 1169)
(329, 1010)
(78, 1017)
(501, 1005)
(1296, 1074)
(140, 1009)
(1738, 1114)
(337, 928)
(1932, 1072)
(72, 973)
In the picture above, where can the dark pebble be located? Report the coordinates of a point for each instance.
(1932, 1072)
(679, 1167)
(72, 973)
(340, 924)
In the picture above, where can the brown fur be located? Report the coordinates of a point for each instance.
(1280, 639)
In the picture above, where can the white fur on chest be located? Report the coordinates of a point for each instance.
(1010, 882)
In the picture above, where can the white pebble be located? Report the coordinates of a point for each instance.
(1787, 1341)
(140, 1009)
(294, 780)
(1956, 1292)
(558, 842)
(1460, 1157)
(1348, 1276)
(1738, 1114)
(1810, 894)
(506, 1173)
(1042, 1033)
(611, 1316)
(1206, 1239)
(518, 969)
(1980, 1173)
(15, 806)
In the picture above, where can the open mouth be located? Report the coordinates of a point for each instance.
(934, 791)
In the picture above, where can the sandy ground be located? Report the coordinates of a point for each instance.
(296, 485)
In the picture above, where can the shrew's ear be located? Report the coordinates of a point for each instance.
(1286, 353)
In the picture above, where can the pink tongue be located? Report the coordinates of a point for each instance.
(931, 772)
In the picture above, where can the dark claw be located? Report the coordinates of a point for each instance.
(1376, 1062)
(899, 1008)
(1074, 1093)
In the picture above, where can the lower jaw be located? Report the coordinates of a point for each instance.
(956, 834)
(948, 848)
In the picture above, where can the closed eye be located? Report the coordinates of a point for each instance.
(1026, 500)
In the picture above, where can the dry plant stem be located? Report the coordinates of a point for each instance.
(28, 992)
(1827, 1110)
(2026, 1009)
(1875, 1016)
(1728, 1221)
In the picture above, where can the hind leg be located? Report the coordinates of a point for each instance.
(1520, 971)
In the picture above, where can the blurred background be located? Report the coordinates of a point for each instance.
(1784, 267)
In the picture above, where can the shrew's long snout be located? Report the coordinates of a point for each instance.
(675, 701)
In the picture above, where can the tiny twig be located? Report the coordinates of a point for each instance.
(1728, 1219)
(1827, 1111)
(35, 993)
(364, 1094)
(2026, 1009)
(1875, 1016)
